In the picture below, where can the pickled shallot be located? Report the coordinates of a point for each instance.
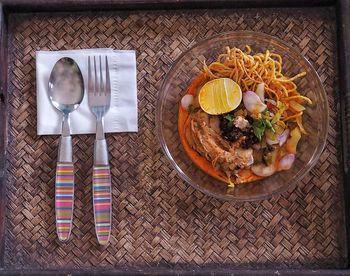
(253, 103)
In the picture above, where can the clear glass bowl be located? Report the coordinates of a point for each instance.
(184, 71)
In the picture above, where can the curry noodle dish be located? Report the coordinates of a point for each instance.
(241, 117)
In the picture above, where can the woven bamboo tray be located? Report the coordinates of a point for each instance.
(159, 222)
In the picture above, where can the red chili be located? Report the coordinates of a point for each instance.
(269, 106)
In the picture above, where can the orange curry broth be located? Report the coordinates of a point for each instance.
(201, 162)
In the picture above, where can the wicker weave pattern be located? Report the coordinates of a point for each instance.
(157, 218)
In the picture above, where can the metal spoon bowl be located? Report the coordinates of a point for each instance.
(66, 85)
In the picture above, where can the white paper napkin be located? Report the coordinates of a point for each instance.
(122, 115)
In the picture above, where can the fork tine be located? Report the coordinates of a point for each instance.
(101, 79)
(90, 83)
(95, 78)
(108, 84)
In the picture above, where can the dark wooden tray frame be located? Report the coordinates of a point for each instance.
(343, 35)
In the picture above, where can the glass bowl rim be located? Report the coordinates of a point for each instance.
(311, 163)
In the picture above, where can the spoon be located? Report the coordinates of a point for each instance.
(66, 91)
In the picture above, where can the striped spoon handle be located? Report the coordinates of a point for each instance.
(102, 199)
(64, 199)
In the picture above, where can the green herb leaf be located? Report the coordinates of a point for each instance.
(268, 124)
(265, 112)
(259, 127)
(229, 117)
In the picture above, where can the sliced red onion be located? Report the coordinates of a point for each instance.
(252, 102)
(283, 137)
(186, 101)
(262, 170)
(260, 91)
(286, 162)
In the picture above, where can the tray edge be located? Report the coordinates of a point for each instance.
(343, 24)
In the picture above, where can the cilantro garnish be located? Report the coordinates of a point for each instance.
(259, 127)
(230, 118)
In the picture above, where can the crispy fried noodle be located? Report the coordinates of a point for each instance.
(250, 70)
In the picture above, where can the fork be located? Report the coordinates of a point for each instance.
(99, 98)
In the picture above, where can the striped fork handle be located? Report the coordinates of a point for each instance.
(102, 196)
